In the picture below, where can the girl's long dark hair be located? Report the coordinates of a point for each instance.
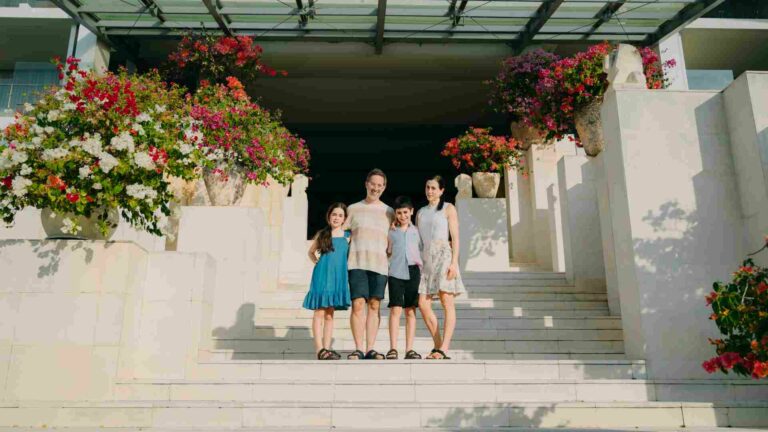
(324, 236)
(440, 184)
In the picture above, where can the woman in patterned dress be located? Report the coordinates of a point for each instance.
(438, 224)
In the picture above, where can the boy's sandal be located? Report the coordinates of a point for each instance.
(356, 355)
(392, 354)
(324, 354)
(373, 355)
(334, 355)
(412, 355)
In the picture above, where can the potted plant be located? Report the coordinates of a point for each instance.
(485, 156)
(243, 142)
(514, 92)
(740, 310)
(96, 146)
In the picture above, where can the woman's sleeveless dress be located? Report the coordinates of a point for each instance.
(437, 254)
(330, 280)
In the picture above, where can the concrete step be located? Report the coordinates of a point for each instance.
(155, 416)
(461, 313)
(459, 348)
(268, 332)
(514, 276)
(472, 304)
(501, 287)
(463, 322)
(423, 370)
(298, 296)
(227, 356)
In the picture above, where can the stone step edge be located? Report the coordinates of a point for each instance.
(345, 404)
(360, 363)
(485, 381)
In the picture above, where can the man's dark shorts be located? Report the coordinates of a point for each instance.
(405, 293)
(366, 284)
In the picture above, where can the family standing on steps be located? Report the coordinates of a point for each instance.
(366, 247)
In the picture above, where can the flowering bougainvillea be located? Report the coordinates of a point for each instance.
(234, 132)
(97, 143)
(514, 88)
(479, 151)
(214, 58)
(740, 310)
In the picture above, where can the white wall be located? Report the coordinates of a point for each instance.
(676, 219)
(746, 103)
(483, 244)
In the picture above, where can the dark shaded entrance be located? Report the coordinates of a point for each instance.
(342, 155)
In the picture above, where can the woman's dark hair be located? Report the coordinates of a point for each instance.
(440, 185)
(324, 236)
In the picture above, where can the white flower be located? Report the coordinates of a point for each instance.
(18, 157)
(140, 191)
(138, 128)
(60, 95)
(53, 115)
(19, 185)
(48, 129)
(28, 107)
(37, 129)
(143, 117)
(144, 160)
(5, 159)
(193, 136)
(25, 170)
(97, 186)
(185, 148)
(85, 171)
(159, 108)
(55, 153)
(107, 162)
(159, 128)
(69, 226)
(37, 140)
(69, 106)
(124, 141)
(91, 144)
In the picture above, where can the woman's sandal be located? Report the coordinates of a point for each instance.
(392, 354)
(324, 354)
(356, 355)
(412, 355)
(373, 355)
(443, 355)
(334, 355)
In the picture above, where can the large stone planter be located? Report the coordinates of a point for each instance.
(526, 136)
(54, 223)
(486, 185)
(225, 190)
(590, 128)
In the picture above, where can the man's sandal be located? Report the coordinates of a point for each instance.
(412, 355)
(324, 354)
(334, 355)
(356, 355)
(373, 355)
(392, 354)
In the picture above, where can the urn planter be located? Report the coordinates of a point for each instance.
(589, 126)
(486, 184)
(225, 189)
(54, 226)
(526, 135)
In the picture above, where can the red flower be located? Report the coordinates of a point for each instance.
(56, 183)
(72, 197)
(7, 182)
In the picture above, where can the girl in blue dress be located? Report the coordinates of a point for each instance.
(329, 289)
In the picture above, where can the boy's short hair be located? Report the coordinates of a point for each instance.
(403, 202)
(376, 172)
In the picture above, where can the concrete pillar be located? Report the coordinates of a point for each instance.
(583, 249)
(676, 218)
(483, 234)
(295, 266)
(555, 229)
(606, 236)
(519, 217)
(672, 48)
(746, 107)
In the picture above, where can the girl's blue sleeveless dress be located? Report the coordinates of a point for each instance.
(330, 281)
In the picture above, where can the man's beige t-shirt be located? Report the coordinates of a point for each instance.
(369, 224)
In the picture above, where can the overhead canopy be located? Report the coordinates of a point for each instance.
(517, 23)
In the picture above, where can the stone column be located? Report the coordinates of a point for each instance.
(746, 107)
(519, 217)
(295, 266)
(671, 48)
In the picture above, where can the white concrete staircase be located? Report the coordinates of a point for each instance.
(530, 351)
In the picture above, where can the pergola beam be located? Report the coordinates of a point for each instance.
(543, 14)
(154, 9)
(71, 8)
(681, 19)
(605, 14)
(213, 10)
(381, 17)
